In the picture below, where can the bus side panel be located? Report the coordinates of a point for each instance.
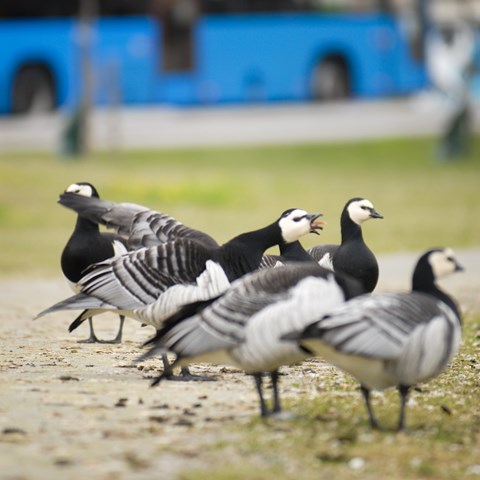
(125, 60)
(36, 42)
(410, 74)
(262, 57)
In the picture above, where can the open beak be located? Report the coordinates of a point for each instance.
(315, 224)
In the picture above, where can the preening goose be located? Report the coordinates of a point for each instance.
(149, 284)
(87, 245)
(392, 339)
(352, 256)
(244, 326)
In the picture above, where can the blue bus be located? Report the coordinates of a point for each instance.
(204, 52)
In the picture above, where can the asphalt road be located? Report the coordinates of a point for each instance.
(161, 127)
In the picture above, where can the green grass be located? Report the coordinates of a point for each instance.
(331, 438)
(229, 190)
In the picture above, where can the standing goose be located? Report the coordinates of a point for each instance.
(352, 256)
(150, 284)
(87, 245)
(244, 326)
(392, 339)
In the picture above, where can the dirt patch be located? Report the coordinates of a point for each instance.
(70, 410)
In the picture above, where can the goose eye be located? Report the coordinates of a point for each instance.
(297, 219)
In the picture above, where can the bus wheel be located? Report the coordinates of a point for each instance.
(330, 80)
(33, 90)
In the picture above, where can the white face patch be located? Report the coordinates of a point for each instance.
(294, 225)
(85, 190)
(359, 211)
(443, 262)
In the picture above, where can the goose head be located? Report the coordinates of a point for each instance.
(83, 188)
(360, 209)
(294, 223)
(442, 261)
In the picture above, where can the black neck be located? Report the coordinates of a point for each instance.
(423, 281)
(259, 240)
(294, 252)
(243, 253)
(350, 230)
(86, 225)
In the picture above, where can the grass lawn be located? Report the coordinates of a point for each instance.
(225, 191)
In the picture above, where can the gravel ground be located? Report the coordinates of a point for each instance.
(70, 410)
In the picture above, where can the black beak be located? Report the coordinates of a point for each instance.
(375, 214)
(459, 268)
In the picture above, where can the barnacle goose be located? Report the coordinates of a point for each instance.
(244, 326)
(149, 284)
(87, 245)
(392, 339)
(352, 256)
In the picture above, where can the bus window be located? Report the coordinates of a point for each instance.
(177, 18)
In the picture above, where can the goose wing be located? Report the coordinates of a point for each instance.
(143, 227)
(270, 261)
(323, 254)
(139, 278)
(249, 318)
(385, 326)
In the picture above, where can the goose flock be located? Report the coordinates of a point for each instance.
(232, 304)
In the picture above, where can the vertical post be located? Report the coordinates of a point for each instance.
(87, 13)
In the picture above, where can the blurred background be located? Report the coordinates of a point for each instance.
(224, 113)
(77, 56)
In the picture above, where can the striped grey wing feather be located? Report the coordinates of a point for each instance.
(380, 326)
(143, 227)
(323, 254)
(118, 216)
(149, 228)
(140, 277)
(270, 261)
(242, 313)
(220, 325)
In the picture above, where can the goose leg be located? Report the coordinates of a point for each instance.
(118, 338)
(366, 395)
(92, 338)
(277, 407)
(403, 390)
(185, 376)
(259, 384)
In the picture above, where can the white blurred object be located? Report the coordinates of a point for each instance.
(449, 61)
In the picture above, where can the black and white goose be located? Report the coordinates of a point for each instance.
(244, 326)
(351, 256)
(392, 339)
(150, 284)
(87, 245)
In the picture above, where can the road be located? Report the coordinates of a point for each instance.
(161, 127)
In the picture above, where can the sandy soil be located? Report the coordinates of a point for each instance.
(70, 410)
